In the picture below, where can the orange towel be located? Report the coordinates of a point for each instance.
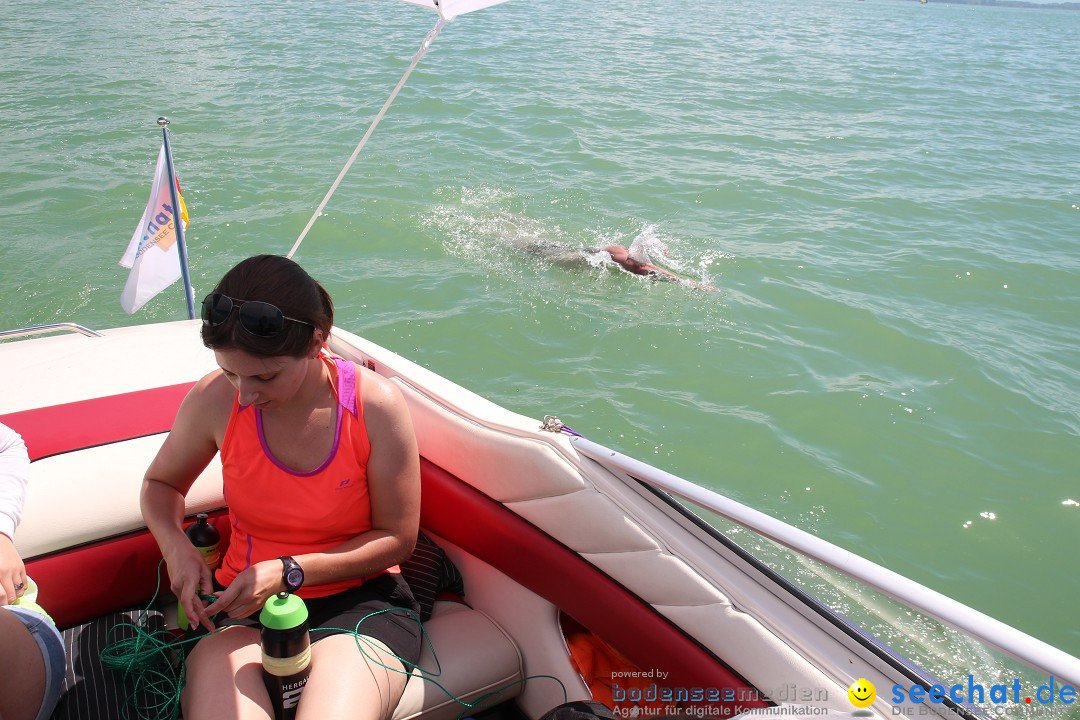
(602, 667)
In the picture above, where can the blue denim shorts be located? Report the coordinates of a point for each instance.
(51, 644)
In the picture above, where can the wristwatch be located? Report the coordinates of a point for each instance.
(291, 574)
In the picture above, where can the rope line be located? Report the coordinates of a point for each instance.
(434, 32)
(429, 675)
(153, 664)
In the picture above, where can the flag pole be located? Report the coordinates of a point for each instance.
(178, 221)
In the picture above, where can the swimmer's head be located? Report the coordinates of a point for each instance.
(621, 255)
(276, 280)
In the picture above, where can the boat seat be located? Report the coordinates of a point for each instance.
(466, 652)
(477, 659)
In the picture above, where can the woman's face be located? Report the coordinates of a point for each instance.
(266, 383)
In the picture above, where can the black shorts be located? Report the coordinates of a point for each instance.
(340, 613)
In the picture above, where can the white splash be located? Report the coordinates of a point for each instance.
(647, 247)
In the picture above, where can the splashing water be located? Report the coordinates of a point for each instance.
(481, 228)
(649, 248)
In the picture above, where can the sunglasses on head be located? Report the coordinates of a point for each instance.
(256, 317)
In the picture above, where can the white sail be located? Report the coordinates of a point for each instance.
(450, 9)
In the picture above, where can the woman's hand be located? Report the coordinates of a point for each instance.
(250, 590)
(189, 577)
(12, 572)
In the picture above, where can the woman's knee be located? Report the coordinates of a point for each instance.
(224, 676)
(22, 670)
(348, 683)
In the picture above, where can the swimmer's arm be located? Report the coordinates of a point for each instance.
(14, 470)
(659, 273)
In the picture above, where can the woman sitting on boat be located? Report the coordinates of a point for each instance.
(321, 473)
(31, 649)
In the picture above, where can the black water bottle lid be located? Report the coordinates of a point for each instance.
(202, 533)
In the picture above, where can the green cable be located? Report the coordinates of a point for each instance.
(152, 661)
(362, 640)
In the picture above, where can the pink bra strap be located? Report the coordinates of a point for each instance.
(347, 385)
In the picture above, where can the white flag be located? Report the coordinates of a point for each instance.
(450, 9)
(153, 254)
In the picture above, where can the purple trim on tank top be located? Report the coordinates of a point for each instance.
(347, 384)
(247, 555)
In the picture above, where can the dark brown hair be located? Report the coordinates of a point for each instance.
(281, 282)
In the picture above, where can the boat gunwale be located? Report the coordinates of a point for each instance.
(1032, 652)
(850, 630)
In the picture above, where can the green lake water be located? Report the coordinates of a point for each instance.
(887, 195)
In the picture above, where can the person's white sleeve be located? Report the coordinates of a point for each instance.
(14, 468)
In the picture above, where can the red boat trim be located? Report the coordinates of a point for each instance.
(59, 429)
(488, 530)
(91, 580)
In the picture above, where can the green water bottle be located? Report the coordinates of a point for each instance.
(206, 540)
(286, 652)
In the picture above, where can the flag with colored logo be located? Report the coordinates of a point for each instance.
(153, 254)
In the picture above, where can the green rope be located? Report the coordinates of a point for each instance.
(427, 675)
(152, 663)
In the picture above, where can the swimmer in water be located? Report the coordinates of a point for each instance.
(557, 253)
(620, 255)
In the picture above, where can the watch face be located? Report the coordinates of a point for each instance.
(294, 578)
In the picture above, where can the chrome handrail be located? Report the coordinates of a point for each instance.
(1018, 645)
(51, 327)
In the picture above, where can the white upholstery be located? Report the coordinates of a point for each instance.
(83, 496)
(659, 577)
(67, 368)
(508, 459)
(475, 657)
(572, 519)
(533, 623)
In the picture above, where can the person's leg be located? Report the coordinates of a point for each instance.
(224, 677)
(345, 685)
(22, 670)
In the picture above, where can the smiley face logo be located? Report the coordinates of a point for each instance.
(862, 693)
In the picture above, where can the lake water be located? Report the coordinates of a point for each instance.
(887, 195)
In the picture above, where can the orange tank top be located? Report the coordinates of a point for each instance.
(277, 511)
